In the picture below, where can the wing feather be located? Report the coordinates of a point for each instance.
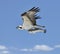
(32, 14)
(27, 21)
(33, 11)
(29, 16)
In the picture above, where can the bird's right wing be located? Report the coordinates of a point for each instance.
(33, 11)
(29, 16)
(32, 14)
(26, 21)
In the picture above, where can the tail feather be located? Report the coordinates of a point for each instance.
(37, 30)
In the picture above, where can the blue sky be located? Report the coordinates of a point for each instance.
(13, 41)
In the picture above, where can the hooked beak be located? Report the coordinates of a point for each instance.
(17, 27)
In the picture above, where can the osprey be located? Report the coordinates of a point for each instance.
(29, 21)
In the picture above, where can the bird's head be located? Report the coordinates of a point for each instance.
(19, 27)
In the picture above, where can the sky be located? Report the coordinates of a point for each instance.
(14, 41)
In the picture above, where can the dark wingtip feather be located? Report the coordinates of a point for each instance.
(23, 13)
(37, 17)
(32, 9)
(36, 9)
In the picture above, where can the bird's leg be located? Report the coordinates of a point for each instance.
(39, 26)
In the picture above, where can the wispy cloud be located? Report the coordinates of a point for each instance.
(5, 52)
(39, 48)
(4, 49)
(43, 48)
(25, 49)
(57, 46)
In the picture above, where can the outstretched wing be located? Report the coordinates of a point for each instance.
(32, 14)
(33, 11)
(26, 20)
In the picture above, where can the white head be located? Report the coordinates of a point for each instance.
(19, 27)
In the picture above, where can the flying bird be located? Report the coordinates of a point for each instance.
(29, 21)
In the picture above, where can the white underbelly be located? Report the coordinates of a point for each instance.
(26, 27)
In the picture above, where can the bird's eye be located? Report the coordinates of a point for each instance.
(20, 27)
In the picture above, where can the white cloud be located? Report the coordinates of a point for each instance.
(57, 46)
(39, 48)
(2, 47)
(5, 52)
(23, 49)
(43, 48)
(26, 50)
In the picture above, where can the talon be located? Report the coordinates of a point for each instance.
(45, 31)
(43, 26)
